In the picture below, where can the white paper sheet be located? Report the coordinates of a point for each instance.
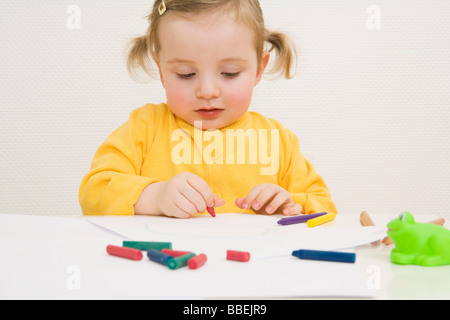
(260, 235)
(271, 272)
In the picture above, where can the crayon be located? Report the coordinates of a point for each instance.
(174, 253)
(145, 246)
(179, 262)
(366, 221)
(333, 256)
(238, 256)
(211, 212)
(197, 261)
(299, 219)
(157, 256)
(321, 220)
(439, 222)
(127, 253)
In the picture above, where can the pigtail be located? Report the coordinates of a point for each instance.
(286, 59)
(138, 57)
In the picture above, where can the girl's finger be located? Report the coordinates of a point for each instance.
(279, 199)
(292, 209)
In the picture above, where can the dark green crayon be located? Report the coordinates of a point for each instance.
(145, 246)
(179, 262)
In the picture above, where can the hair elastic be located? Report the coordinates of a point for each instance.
(162, 8)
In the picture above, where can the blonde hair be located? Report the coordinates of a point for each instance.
(247, 11)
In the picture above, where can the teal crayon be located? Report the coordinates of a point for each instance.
(179, 262)
(145, 246)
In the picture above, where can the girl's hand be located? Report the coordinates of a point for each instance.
(182, 196)
(269, 198)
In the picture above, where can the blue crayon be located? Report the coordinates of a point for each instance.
(158, 256)
(325, 255)
(299, 219)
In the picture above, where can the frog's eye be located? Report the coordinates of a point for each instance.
(402, 217)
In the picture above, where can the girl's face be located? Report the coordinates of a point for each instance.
(208, 67)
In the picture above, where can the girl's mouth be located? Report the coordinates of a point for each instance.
(209, 113)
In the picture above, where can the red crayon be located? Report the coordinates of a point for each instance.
(197, 261)
(124, 252)
(238, 256)
(211, 211)
(175, 253)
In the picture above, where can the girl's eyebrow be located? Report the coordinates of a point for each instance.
(173, 61)
(235, 60)
(176, 60)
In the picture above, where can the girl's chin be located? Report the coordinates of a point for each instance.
(208, 125)
(211, 124)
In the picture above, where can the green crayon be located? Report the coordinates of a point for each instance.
(179, 262)
(145, 246)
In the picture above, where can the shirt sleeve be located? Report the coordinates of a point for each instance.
(113, 184)
(306, 186)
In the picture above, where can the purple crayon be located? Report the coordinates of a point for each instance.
(299, 219)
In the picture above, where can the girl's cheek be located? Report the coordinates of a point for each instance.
(177, 95)
(240, 95)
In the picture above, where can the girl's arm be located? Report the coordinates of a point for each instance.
(113, 185)
(305, 185)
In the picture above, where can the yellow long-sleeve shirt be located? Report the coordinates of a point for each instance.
(155, 145)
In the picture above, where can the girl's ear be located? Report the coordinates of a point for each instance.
(262, 67)
(156, 59)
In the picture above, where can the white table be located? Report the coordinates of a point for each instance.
(40, 259)
(391, 281)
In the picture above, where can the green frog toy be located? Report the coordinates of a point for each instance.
(420, 244)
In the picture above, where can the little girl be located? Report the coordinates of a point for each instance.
(203, 148)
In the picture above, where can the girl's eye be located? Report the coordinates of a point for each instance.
(231, 75)
(186, 76)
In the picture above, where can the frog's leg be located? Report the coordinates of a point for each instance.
(438, 252)
(402, 258)
(432, 261)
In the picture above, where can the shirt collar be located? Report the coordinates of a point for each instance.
(241, 123)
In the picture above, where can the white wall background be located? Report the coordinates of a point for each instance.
(371, 104)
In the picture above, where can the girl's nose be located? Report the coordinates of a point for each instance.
(208, 89)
